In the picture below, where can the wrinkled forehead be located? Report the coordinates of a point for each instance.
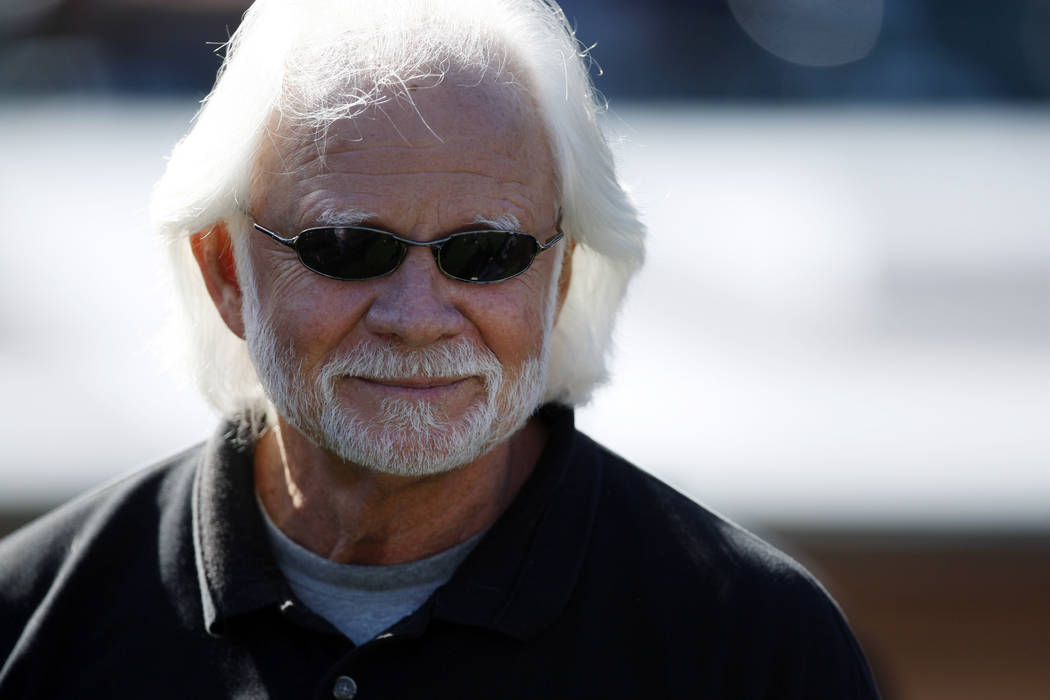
(455, 111)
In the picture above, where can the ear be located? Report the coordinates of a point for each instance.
(565, 277)
(213, 250)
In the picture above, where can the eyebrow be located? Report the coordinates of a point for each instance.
(344, 217)
(506, 222)
(348, 216)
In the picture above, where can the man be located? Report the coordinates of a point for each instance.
(407, 221)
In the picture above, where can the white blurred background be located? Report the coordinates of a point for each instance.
(844, 317)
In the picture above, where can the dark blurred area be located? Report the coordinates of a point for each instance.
(113, 46)
(741, 50)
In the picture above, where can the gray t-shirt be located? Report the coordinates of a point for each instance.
(362, 601)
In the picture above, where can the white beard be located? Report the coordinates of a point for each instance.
(408, 438)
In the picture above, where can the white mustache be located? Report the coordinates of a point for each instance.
(448, 361)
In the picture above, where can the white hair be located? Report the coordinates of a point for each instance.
(303, 64)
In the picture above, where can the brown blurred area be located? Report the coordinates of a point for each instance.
(941, 616)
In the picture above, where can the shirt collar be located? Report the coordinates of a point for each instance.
(516, 581)
(236, 571)
(519, 577)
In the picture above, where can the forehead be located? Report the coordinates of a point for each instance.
(435, 157)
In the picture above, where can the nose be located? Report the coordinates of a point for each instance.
(414, 304)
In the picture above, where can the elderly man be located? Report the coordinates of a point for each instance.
(407, 221)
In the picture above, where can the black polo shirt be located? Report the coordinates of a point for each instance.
(598, 582)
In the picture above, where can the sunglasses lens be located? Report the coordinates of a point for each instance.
(487, 256)
(349, 253)
(354, 253)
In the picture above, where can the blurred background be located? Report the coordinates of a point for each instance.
(841, 338)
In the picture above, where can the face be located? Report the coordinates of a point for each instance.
(411, 373)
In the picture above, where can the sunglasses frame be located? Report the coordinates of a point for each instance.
(435, 248)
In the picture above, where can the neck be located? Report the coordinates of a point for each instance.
(353, 514)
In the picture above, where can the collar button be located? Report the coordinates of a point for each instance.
(345, 688)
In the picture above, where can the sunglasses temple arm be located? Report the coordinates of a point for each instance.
(290, 242)
(550, 241)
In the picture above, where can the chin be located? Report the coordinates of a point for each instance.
(418, 437)
(411, 438)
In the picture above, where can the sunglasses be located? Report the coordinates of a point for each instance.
(356, 253)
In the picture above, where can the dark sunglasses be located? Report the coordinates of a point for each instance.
(356, 253)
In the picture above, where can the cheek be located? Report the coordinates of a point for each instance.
(310, 313)
(512, 323)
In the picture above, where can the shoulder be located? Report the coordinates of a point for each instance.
(711, 584)
(147, 488)
(656, 522)
(91, 535)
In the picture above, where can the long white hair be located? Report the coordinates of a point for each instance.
(303, 64)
